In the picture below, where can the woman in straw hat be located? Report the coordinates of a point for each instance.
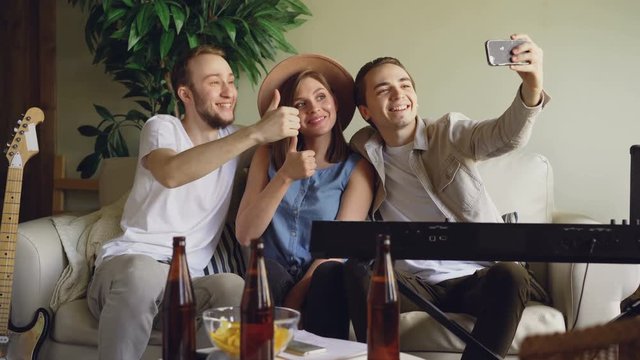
(313, 176)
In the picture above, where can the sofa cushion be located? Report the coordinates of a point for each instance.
(74, 324)
(228, 256)
(419, 332)
(521, 182)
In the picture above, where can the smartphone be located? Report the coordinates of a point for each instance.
(300, 348)
(499, 52)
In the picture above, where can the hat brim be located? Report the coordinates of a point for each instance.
(338, 77)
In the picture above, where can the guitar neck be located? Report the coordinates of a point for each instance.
(8, 232)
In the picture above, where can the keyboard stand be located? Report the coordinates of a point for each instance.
(442, 318)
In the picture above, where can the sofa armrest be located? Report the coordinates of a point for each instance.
(594, 299)
(39, 263)
(562, 217)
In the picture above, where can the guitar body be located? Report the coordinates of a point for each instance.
(23, 343)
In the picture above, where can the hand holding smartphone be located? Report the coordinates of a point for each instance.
(499, 52)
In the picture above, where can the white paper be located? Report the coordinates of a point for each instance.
(336, 349)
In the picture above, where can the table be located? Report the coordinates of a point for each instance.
(219, 355)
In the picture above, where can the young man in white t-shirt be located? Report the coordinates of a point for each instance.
(427, 172)
(182, 187)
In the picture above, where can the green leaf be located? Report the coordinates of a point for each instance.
(192, 39)
(145, 105)
(89, 164)
(134, 93)
(134, 114)
(88, 130)
(166, 41)
(118, 145)
(114, 15)
(90, 31)
(103, 112)
(179, 17)
(134, 66)
(106, 4)
(229, 28)
(162, 10)
(134, 37)
(144, 19)
(120, 34)
(102, 143)
(248, 39)
(298, 7)
(129, 3)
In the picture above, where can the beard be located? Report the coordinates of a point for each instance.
(212, 118)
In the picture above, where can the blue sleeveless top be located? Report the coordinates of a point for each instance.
(287, 237)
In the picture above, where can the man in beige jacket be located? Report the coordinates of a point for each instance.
(427, 172)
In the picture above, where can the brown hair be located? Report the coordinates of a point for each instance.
(338, 148)
(180, 74)
(360, 90)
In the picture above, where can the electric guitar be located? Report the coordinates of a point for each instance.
(17, 343)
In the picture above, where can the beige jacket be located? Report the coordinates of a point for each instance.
(444, 157)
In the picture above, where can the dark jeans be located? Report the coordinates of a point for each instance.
(325, 311)
(496, 296)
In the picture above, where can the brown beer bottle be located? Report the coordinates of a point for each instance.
(383, 310)
(256, 309)
(179, 308)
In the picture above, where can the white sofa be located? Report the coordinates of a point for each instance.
(521, 182)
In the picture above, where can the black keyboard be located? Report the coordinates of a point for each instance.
(479, 241)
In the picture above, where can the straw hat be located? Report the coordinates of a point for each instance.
(338, 78)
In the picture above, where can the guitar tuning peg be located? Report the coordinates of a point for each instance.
(15, 130)
(19, 121)
(25, 125)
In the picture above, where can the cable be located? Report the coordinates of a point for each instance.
(584, 280)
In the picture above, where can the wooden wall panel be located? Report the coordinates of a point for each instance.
(28, 78)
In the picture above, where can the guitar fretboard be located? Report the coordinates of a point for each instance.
(8, 233)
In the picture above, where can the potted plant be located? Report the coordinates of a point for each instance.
(138, 41)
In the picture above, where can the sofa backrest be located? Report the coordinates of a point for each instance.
(521, 182)
(115, 178)
(117, 174)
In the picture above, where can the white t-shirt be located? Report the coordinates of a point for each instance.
(154, 214)
(407, 200)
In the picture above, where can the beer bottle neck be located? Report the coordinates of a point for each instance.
(178, 245)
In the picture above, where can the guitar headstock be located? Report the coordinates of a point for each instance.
(24, 144)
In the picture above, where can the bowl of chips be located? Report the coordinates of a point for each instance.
(223, 328)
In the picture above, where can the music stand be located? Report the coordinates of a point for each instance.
(457, 330)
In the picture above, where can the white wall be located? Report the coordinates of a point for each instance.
(592, 52)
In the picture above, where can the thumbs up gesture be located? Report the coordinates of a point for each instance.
(298, 164)
(278, 122)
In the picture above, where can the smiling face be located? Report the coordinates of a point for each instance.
(390, 102)
(212, 85)
(316, 106)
